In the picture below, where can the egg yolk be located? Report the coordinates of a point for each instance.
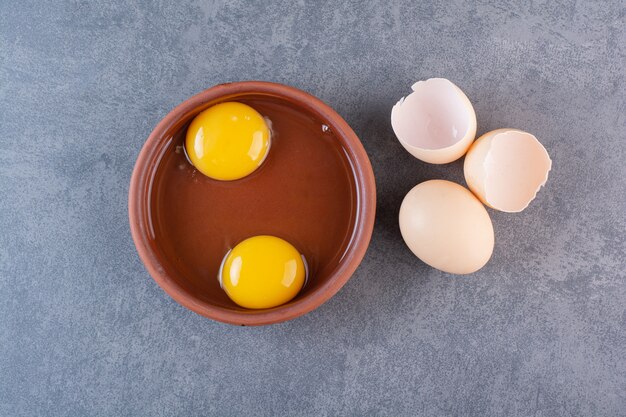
(227, 141)
(262, 272)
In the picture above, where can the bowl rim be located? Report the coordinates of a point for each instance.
(143, 173)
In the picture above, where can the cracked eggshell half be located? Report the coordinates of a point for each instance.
(436, 123)
(505, 168)
(447, 227)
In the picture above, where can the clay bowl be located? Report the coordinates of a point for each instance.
(315, 189)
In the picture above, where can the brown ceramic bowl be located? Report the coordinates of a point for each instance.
(315, 189)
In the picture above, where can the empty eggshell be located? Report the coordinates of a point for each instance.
(505, 168)
(436, 123)
(447, 227)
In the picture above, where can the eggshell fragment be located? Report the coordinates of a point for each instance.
(447, 227)
(436, 123)
(505, 168)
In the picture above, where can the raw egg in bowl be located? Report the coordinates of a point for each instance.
(301, 189)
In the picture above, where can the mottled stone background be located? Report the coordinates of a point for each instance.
(540, 331)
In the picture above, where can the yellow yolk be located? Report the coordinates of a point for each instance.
(262, 272)
(227, 141)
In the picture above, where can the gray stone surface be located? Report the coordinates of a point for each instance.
(540, 331)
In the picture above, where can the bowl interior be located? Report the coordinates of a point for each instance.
(308, 191)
